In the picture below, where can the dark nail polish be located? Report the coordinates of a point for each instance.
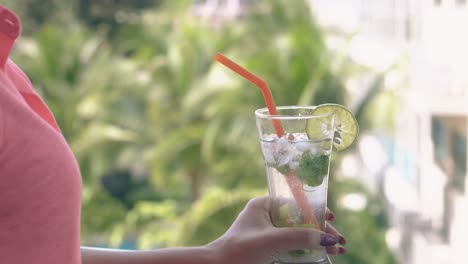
(327, 240)
(331, 216)
(341, 250)
(342, 240)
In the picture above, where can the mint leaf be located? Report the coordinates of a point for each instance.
(284, 169)
(312, 169)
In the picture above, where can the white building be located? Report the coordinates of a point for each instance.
(425, 184)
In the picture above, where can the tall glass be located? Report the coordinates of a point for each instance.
(297, 166)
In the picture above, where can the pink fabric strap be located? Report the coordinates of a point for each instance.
(25, 88)
(10, 28)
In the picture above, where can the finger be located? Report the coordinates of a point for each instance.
(333, 250)
(332, 231)
(262, 202)
(290, 238)
(255, 212)
(329, 215)
(342, 250)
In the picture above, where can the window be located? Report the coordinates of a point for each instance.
(449, 136)
(458, 152)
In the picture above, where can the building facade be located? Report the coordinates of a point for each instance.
(425, 182)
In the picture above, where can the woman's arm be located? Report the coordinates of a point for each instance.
(252, 239)
(192, 255)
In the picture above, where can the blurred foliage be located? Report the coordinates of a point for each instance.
(360, 227)
(165, 137)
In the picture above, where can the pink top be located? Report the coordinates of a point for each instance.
(40, 182)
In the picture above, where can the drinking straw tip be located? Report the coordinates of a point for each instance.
(219, 57)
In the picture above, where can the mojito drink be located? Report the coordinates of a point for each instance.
(296, 143)
(297, 165)
(307, 160)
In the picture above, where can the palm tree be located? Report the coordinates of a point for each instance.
(202, 130)
(214, 130)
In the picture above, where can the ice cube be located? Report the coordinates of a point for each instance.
(303, 146)
(284, 158)
(269, 137)
(301, 137)
(282, 144)
(314, 151)
(284, 152)
(268, 152)
(294, 165)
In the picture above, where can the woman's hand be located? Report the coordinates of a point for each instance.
(252, 239)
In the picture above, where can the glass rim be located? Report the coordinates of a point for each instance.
(264, 113)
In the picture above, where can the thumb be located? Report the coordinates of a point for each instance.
(290, 238)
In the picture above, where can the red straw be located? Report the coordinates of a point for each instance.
(260, 83)
(296, 188)
(294, 183)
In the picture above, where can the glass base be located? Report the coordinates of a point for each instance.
(324, 261)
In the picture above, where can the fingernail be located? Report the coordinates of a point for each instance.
(331, 216)
(341, 250)
(342, 240)
(327, 240)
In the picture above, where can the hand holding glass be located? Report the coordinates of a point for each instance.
(297, 166)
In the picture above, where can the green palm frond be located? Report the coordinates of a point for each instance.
(216, 208)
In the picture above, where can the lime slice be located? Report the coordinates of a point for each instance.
(346, 127)
(319, 128)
